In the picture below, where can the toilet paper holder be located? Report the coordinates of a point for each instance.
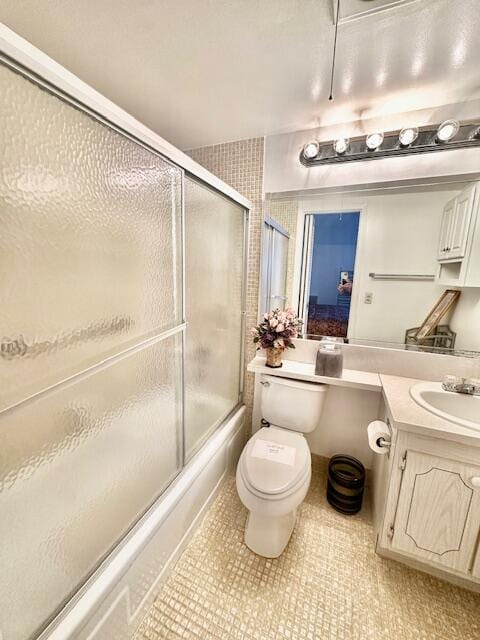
(383, 443)
(386, 444)
(380, 437)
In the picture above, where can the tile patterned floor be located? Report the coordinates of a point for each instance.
(329, 584)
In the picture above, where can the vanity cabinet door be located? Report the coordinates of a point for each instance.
(438, 511)
(476, 565)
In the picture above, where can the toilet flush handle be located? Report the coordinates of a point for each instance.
(265, 384)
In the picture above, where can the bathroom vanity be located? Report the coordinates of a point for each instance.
(427, 488)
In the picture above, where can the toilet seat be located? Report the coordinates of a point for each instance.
(275, 462)
(275, 497)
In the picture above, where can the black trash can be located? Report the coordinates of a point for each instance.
(346, 483)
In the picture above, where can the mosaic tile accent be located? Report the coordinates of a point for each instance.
(285, 213)
(328, 584)
(240, 164)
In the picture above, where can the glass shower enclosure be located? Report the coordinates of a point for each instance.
(122, 288)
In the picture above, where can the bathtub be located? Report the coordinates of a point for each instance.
(111, 605)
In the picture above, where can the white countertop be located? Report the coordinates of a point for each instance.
(304, 371)
(410, 416)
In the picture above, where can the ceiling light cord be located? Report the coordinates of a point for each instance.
(334, 51)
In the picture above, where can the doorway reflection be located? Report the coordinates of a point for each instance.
(333, 248)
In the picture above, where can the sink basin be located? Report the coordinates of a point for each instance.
(459, 408)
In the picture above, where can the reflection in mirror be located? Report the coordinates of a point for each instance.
(275, 244)
(328, 267)
(371, 266)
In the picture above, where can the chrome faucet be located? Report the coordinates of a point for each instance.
(469, 386)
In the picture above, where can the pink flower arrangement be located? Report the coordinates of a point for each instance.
(277, 330)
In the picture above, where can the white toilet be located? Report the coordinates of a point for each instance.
(274, 470)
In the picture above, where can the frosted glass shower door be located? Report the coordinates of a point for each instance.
(91, 345)
(214, 258)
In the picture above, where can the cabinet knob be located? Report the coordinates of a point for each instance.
(475, 481)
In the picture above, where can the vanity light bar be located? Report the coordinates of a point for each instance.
(447, 135)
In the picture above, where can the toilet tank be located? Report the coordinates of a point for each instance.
(292, 404)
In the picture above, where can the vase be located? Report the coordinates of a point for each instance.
(274, 357)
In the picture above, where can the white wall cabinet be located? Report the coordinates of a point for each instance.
(445, 230)
(455, 225)
(461, 223)
(458, 253)
(430, 517)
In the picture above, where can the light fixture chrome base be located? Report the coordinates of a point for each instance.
(468, 135)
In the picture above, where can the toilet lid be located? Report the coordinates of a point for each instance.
(275, 460)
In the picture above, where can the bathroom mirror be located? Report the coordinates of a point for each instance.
(372, 265)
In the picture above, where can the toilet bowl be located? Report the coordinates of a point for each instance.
(272, 490)
(274, 469)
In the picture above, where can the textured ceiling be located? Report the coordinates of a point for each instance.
(200, 72)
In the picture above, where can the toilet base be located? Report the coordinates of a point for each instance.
(268, 536)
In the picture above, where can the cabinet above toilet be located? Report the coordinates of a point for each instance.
(459, 240)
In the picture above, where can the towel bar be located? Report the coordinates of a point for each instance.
(400, 276)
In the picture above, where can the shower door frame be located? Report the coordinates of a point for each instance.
(33, 63)
(24, 59)
(181, 326)
(20, 56)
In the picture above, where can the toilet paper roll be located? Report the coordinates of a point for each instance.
(376, 430)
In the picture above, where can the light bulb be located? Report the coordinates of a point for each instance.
(341, 145)
(407, 136)
(374, 140)
(447, 130)
(310, 150)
